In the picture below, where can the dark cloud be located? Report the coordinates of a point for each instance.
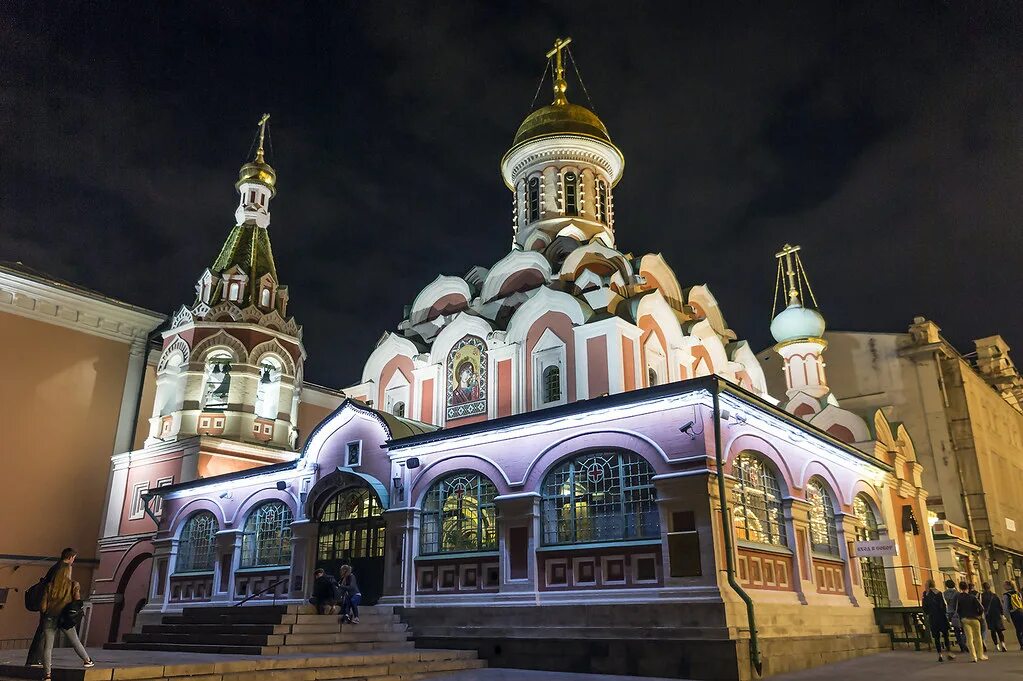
(883, 137)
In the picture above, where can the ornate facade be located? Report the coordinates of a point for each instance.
(567, 429)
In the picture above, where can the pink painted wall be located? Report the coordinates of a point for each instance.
(504, 388)
(629, 363)
(596, 366)
(397, 364)
(560, 324)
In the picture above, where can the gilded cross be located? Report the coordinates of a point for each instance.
(262, 133)
(559, 70)
(787, 252)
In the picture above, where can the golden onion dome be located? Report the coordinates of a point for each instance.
(260, 171)
(559, 118)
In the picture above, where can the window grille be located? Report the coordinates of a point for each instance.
(197, 548)
(533, 201)
(823, 535)
(602, 202)
(596, 497)
(351, 526)
(571, 194)
(875, 582)
(551, 384)
(459, 515)
(266, 541)
(757, 506)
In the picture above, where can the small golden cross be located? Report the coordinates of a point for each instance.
(262, 133)
(559, 70)
(786, 252)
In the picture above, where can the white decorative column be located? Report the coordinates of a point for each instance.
(520, 531)
(304, 535)
(228, 545)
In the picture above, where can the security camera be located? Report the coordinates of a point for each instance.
(688, 430)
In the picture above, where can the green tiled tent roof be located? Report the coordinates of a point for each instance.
(248, 247)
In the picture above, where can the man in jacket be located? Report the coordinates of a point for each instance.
(971, 613)
(949, 595)
(59, 593)
(324, 592)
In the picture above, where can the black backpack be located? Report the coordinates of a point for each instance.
(34, 594)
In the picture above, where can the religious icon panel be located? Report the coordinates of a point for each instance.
(467, 378)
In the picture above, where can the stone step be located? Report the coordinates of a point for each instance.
(185, 648)
(328, 648)
(368, 623)
(351, 633)
(213, 629)
(194, 638)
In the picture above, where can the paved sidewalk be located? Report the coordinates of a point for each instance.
(900, 665)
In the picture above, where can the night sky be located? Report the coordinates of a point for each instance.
(885, 139)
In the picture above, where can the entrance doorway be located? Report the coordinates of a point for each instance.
(352, 532)
(875, 582)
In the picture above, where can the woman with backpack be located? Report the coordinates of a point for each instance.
(994, 616)
(970, 613)
(59, 592)
(1013, 605)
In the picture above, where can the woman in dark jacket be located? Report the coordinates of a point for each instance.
(350, 587)
(937, 618)
(994, 616)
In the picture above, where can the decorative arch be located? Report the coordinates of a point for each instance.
(610, 438)
(444, 295)
(747, 442)
(595, 253)
(704, 302)
(219, 340)
(194, 506)
(661, 278)
(757, 507)
(273, 347)
(833, 415)
(823, 526)
(427, 474)
(389, 346)
(510, 265)
(813, 468)
(178, 345)
(546, 300)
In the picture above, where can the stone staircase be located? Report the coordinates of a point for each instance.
(269, 630)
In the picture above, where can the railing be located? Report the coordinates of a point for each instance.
(904, 625)
(263, 591)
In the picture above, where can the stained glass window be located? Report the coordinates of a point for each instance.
(823, 535)
(571, 194)
(552, 384)
(757, 506)
(459, 515)
(266, 540)
(594, 497)
(196, 552)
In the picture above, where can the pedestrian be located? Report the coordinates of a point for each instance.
(971, 613)
(1013, 604)
(994, 616)
(937, 619)
(58, 595)
(350, 588)
(950, 594)
(324, 592)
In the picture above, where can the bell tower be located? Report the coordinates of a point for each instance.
(232, 360)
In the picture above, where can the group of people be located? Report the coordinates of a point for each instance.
(340, 595)
(969, 615)
(60, 610)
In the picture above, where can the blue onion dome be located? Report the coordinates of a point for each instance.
(797, 322)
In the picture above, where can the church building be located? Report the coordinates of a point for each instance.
(567, 459)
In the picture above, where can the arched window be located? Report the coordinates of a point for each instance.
(196, 552)
(863, 511)
(266, 541)
(170, 384)
(268, 391)
(651, 377)
(234, 291)
(875, 581)
(398, 409)
(533, 199)
(459, 515)
(757, 512)
(552, 384)
(823, 535)
(264, 297)
(217, 381)
(571, 193)
(599, 496)
(602, 202)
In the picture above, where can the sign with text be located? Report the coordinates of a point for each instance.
(878, 547)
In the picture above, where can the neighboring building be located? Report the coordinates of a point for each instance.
(546, 434)
(964, 413)
(75, 360)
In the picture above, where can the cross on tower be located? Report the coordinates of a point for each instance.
(786, 253)
(262, 133)
(559, 70)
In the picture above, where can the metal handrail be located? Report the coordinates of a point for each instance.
(262, 591)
